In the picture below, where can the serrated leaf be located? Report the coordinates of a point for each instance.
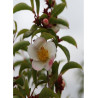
(26, 87)
(37, 6)
(30, 32)
(20, 45)
(54, 20)
(47, 36)
(70, 65)
(58, 9)
(32, 4)
(65, 50)
(47, 93)
(34, 74)
(70, 40)
(25, 65)
(22, 31)
(21, 6)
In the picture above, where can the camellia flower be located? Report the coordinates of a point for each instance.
(42, 53)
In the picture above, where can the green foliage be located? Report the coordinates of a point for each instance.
(21, 6)
(20, 45)
(70, 65)
(15, 97)
(65, 50)
(26, 87)
(30, 32)
(47, 36)
(43, 16)
(19, 81)
(64, 1)
(17, 92)
(70, 40)
(55, 68)
(58, 9)
(17, 63)
(14, 31)
(54, 20)
(47, 93)
(32, 4)
(34, 74)
(22, 32)
(25, 65)
(37, 5)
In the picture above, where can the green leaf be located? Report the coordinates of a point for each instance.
(58, 9)
(65, 50)
(50, 31)
(37, 6)
(22, 32)
(34, 74)
(19, 81)
(70, 40)
(42, 77)
(47, 93)
(26, 64)
(55, 67)
(64, 1)
(21, 6)
(43, 16)
(15, 97)
(30, 32)
(26, 87)
(70, 65)
(32, 4)
(54, 20)
(47, 36)
(20, 45)
(17, 63)
(15, 27)
(17, 92)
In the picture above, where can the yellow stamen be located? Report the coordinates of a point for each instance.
(43, 54)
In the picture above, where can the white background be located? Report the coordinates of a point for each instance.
(91, 49)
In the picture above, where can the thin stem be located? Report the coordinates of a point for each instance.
(33, 91)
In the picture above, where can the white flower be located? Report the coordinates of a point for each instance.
(42, 53)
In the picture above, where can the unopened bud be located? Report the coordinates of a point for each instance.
(45, 21)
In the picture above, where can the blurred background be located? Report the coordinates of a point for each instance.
(74, 15)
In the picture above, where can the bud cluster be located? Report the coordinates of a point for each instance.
(60, 84)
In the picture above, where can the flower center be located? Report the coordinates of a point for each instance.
(43, 54)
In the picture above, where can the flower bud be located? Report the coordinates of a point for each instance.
(45, 21)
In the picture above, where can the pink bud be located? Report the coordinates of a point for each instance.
(45, 21)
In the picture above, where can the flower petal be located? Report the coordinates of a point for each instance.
(50, 46)
(32, 52)
(39, 42)
(49, 63)
(37, 65)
